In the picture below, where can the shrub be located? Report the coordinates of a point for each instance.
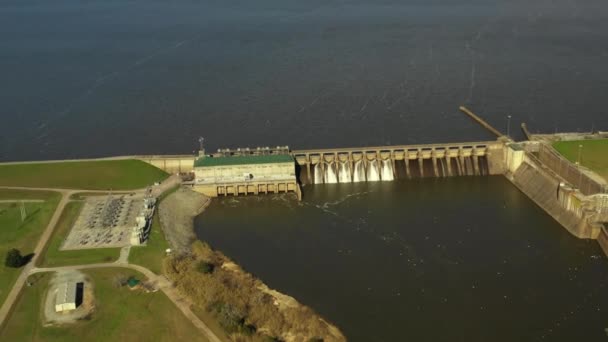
(229, 317)
(205, 267)
(14, 258)
(248, 329)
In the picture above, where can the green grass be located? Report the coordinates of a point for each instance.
(120, 315)
(54, 257)
(22, 235)
(152, 254)
(594, 154)
(90, 175)
(8, 194)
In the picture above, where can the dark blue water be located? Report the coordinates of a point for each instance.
(96, 78)
(458, 259)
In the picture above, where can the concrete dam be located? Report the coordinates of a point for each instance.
(387, 163)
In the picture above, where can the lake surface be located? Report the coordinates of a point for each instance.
(459, 259)
(97, 78)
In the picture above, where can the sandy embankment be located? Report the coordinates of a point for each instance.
(177, 212)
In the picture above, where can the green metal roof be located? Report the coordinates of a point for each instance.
(132, 282)
(242, 160)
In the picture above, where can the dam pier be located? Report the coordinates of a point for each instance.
(387, 163)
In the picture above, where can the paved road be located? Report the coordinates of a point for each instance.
(162, 282)
(14, 294)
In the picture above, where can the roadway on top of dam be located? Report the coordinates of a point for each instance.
(396, 147)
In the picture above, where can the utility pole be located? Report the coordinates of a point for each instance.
(508, 125)
(578, 162)
(23, 212)
(201, 150)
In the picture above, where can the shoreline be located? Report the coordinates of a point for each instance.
(261, 311)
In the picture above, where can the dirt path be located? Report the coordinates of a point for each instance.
(162, 282)
(159, 281)
(14, 294)
(124, 255)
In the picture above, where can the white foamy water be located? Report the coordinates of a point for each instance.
(359, 172)
(387, 170)
(330, 173)
(372, 171)
(319, 174)
(344, 172)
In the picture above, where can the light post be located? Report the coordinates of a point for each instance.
(578, 162)
(508, 125)
(201, 141)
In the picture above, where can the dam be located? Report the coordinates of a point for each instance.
(387, 163)
(574, 196)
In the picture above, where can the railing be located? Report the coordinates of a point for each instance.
(570, 172)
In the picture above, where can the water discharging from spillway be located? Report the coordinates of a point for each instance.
(372, 171)
(344, 172)
(330, 173)
(387, 170)
(359, 172)
(319, 173)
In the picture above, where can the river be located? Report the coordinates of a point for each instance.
(458, 259)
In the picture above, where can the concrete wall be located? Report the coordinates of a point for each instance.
(170, 164)
(246, 179)
(602, 240)
(249, 188)
(267, 172)
(496, 159)
(514, 157)
(543, 188)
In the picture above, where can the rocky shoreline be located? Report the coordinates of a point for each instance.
(244, 306)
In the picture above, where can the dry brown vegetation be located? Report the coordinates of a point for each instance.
(244, 306)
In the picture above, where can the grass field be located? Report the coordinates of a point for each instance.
(90, 175)
(21, 235)
(594, 154)
(53, 257)
(120, 315)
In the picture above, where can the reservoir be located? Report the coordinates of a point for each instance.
(452, 259)
(119, 77)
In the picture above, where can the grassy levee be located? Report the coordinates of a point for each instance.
(152, 254)
(120, 315)
(125, 174)
(22, 235)
(10, 194)
(53, 257)
(594, 154)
